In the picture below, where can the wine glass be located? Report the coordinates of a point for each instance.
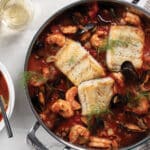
(16, 14)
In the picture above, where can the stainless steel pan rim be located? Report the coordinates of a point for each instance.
(29, 52)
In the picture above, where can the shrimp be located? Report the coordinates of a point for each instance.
(68, 29)
(85, 36)
(49, 72)
(70, 97)
(79, 134)
(98, 142)
(37, 80)
(130, 18)
(98, 39)
(63, 108)
(119, 80)
(118, 77)
(84, 120)
(56, 38)
(142, 107)
(41, 98)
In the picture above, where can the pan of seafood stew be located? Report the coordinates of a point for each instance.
(88, 75)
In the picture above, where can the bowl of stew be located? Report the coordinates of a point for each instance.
(7, 93)
(88, 75)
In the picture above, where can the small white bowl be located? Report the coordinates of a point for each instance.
(11, 91)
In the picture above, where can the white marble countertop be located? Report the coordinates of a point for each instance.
(13, 49)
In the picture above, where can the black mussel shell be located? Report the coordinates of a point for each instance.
(129, 73)
(86, 28)
(36, 103)
(118, 100)
(96, 123)
(38, 45)
(102, 20)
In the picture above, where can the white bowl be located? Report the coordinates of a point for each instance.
(11, 94)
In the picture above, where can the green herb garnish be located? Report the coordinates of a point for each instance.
(71, 61)
(95, 110)
(103, 47)
(122, 41)
(32, 75)
(142, 94)
(133, 101)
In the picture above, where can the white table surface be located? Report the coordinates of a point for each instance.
(13, 49)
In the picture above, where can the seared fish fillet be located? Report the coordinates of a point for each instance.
(95, 95)
(125, 43)
(77, 64)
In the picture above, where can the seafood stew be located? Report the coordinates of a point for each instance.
(3, 92)
(88, 76)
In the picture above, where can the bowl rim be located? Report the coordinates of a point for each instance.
(39, 31)
(11, 102)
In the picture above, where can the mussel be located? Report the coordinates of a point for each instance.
(129, 73)
(95, 123)
(102, 20)
(38, 45)
(131, 127)
(77, 18)
(133, 78)
(86, 28)
(37, 104)
(118, 100)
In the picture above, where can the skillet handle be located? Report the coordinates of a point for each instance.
(32, 139)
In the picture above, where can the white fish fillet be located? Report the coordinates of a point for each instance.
(95, 95)
(77, 64)
(125, 44)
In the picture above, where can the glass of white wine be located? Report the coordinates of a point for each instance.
(16, 14)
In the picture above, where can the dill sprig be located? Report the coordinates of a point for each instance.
(142, 94)
(71, 61)
(32, 75)
(122, 41)
(134, 100)
(103, 47)
(95, 110)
